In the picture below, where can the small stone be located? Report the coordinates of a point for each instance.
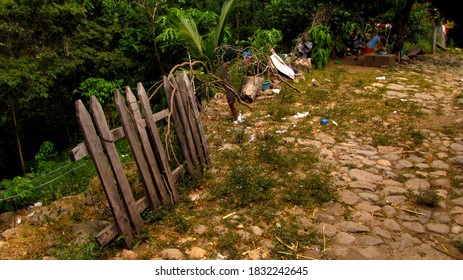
(441, 217)
(457, 229)
(244, 235)
(392, 225)
(256, 230)
(344, 238)
(395, 199)
(438, 228)
(458, 219)
(458, 201)
(369, 196)
(365, 176)
(9, 232)
(349, 226)
(305, 223)
(366, 206)
(457, 147)
(172, 254)
(414, 226)
(327, 229)
(349, 197)
(439, 164)
(369, 241)
(129, 255)
(381, 232)
(196, 253)
(417, 184)
(384, 162)
(403, 164)
(200, 229)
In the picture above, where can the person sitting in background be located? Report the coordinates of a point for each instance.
(370, 46)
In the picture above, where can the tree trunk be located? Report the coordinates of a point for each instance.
(230, 96)
(18, 140)
(402, 22)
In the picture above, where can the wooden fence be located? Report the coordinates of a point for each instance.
(140, 129)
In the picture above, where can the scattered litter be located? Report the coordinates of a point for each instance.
(31, 214)
(229, 215)
(395, 112)
(278, 225)
(335, 123)
(281, 131)
(301, 115)
(318, 250)
(403, 100)
(382, 78)
(315, 83)
(276, 90)
(324, 121)
(194, 196)
(18, 221)
(221, 257)
(252, 137)
(327, 80)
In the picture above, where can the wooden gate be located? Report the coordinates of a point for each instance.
(140, 129)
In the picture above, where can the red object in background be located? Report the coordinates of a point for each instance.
(382, 25)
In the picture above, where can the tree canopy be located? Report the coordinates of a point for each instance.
(54, 52)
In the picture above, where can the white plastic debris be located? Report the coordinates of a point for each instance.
(240, 117)
(403, 100)
(335, 123)
(281, 131)
(301, 115)
(252, 137)
(382, 78)
(276, 90)
(38, 204)
(18, 221)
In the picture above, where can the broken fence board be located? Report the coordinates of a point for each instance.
(110, 232)
(131, 135)
(178, 126)
(183, 117)
(160, 153)
(114, 160)
(147, 149)
(191, 119)
(195, 105)
(80, 151)
(95, 148)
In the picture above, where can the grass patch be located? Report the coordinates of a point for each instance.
(427, 197)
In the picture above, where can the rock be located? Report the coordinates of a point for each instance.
(388, 190)
(344, 238)
(395, 199)
(244, 235)
(87, 230)
(325, 138)
(455, 230)
(438, 228)
(441, 217)
(306, 224)
(414, 226)
(172, 254)
(403, 164)
(368, 207)
(200, 229)
(196, 253)
(369, 196)
(458, 219)
(365, 176)
(353, 227)
(256, 230)
(362, 185)
(230, 147)
(327, 229)
(458, 201)
(457, 147)
(7, 220)
(384, 162)
(392, 225)
(439, 164)
(369, 241)
(9, 232)
(220, 229)
(457, 160)
(417, 184)
(129, 255)
(349, 197)
(381, 232)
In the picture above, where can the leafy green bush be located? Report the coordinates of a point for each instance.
(320, 35)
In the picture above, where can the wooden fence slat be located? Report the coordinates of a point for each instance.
(131, 134)
(110, 232)
(114, 160)
(178, 127)
(159, 150)
(184, 98)
(80, 151)
(193, 103)
(148, 151)
(95, 148)
(186, 126)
